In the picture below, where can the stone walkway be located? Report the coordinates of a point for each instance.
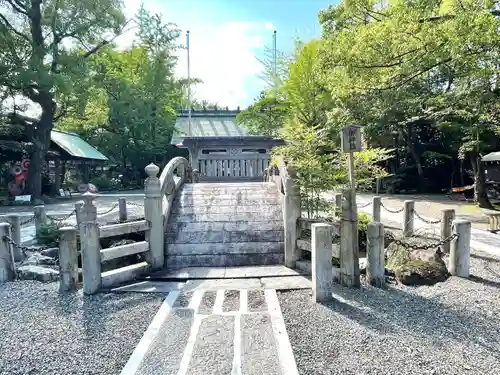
(202, 332)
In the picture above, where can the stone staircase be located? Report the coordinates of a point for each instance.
(224, 225)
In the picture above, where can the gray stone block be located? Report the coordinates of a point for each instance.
(218, 260)
(45, 274)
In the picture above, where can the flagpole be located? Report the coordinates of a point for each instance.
(275, 76)
(189, 84)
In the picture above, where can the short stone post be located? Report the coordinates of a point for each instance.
(7, 265)
(376, 208)
(153, 212)
(460, 249)
(68, 259)
(15, 222)
(196, 176)
(338, 202)
(40, 217)
(447, 217)
(78, 213)
(349, 243)
(408, 218)
(291, 213)
(321, 262)
(375, 267)
(122, 209)
(90, 247)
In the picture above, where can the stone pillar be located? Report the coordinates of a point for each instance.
(196, 176)
(122, 209)
(408, 218)
(291, 213)
(376, 209)
(460, 249)
(321, 262)
(90, 247)
(68, 259)
(15, 222)
(78, 213)
(153, 212)
(40, 217)
(338, 203)
(7, 265)
(349, 244)
(447, 217)
(375, 268)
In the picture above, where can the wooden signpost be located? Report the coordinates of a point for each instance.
(349, 243)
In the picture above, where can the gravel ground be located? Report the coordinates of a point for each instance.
(44, 332)
(446, 329)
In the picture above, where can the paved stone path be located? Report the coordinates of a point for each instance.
(219, 332)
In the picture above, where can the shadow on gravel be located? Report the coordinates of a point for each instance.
(485, 258)
(478, 279)
(392, 310)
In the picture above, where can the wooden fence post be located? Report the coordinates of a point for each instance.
(153, 212)
(7, 266)
(40, 217)
(447, 217)
(291, 213)
(375, 267)
(460, 249)
(15, 222)
(376, 208)
(68, 259)
(122, 209)
(90, 247)
(349, 244)
(408, 218)
(321, 262)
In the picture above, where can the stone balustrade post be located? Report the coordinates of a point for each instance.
(68, 259)
(15, 222)
(153, 212)
(40, 216)
(78, 213)
(321, 262)
(7, 265)
(375, 267)
(90, 246)
(408, 218)
(349, 243)
(460, 249)
(447, 217)
(376, 208)
(291, 213)
(122, 209)
(196, 176)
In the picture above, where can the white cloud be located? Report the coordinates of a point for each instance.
(222, 55)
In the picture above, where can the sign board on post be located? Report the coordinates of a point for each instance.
(351, 138)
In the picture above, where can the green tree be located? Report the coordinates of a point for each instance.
(45, 45)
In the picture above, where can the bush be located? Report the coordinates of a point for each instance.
(104, 182)
(49, 233)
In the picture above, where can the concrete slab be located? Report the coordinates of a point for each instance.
(286, 283)
(150, 287)
(187, 273)
(222, 284)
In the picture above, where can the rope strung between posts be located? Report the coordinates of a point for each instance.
(408, 245)
(60, 220)
(397, 211)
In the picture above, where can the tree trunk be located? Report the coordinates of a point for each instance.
(480, 193)
(41, 141)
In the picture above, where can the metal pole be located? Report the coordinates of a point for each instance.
(189, 84)
(275, 57)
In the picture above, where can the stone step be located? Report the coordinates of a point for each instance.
(270, 191)
(188, 273)
(226, 210)
(222, 236)
(255, 216)
(225, 260)
(227, 200)
(230, 226)
(228, 185)
(229, 248)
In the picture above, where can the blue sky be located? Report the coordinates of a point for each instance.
(228, 35)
